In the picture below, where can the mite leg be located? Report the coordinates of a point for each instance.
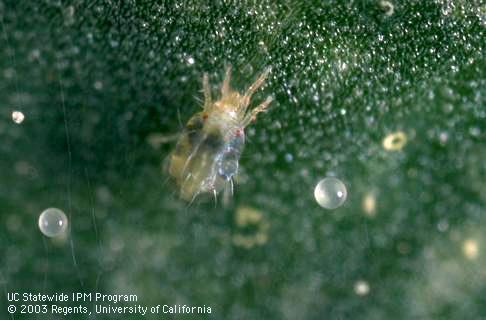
(251, 116)
(215, 194)
(231, 185)
(228, 192)
(186, 180)
(225, 87)
(192, 199)
(207, 92)
(245, 100)
(189, 159)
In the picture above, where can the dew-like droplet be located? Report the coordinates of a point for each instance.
(330, 193)
(289, 157)
(361, 288)
(18, 117)
(98, 85)
(53, 222)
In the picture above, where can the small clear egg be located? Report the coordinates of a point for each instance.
(53, 222)
(330, 193)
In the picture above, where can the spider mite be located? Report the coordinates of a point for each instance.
(206, 156)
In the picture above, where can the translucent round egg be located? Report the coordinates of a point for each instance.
(330, 193)
(53, 222)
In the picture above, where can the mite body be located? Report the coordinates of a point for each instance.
(207, 154)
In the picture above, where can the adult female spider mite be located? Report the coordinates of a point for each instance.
(206, 155)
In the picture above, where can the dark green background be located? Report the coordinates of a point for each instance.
(96, 78)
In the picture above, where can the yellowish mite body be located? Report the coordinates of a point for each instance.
(206, 157)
